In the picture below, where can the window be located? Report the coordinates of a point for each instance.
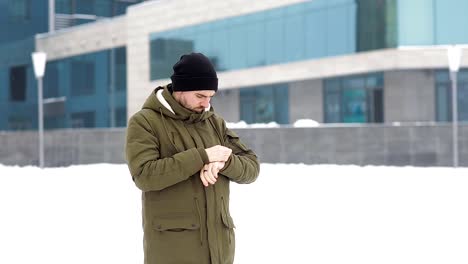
(19, 123)
(121, 117)
(166, 52)
(295, 32)
(82, 119)
(18, 83)
(265, 104)
(51, 80)
(54, 122)
(354, 99)
(120, 69)
(85, 7)
(82, 77)
(444, 95)
(20, 10)
(376, 24)
(63, 6)
(120, 6)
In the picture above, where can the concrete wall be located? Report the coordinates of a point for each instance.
(422, 145)
(306, 100)
(409, 96)
(104, 34)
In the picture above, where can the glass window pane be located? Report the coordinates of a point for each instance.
(255, 44)
(82, 81)
(83, 119)
(315, 34)
(265, 104)
(463, 101)
(51, 79)
(19, 10)
(63, 6)
(18, 83)
(274, 40)
(85, 7)
(294, 37)
(354, 99)
(238, 46)
(332, 101)
(354, 105)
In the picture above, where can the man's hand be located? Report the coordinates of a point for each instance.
(218, 153)
(209, 173)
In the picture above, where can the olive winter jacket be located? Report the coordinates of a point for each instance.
(184, 221)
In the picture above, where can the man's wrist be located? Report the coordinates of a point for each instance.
(203, 155)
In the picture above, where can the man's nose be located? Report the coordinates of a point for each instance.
(206, 102)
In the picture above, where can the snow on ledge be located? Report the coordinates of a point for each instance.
(298, 123)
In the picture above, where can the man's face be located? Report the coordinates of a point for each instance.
(196, 101)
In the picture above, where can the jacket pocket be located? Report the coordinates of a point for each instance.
(234, 142)
(174, 239)
(227, 235)
(227, 220)
(176, 222)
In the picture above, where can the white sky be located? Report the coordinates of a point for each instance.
(292, 214)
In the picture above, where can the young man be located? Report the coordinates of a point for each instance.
(183, 157)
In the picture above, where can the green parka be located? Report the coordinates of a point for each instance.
(184, 221)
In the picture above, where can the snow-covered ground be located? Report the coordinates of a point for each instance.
(292, 214)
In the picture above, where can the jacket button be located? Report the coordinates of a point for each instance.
(193, 225)
(158, 227)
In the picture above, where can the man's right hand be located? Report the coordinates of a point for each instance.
(218, 153)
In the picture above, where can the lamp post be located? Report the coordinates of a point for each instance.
(454, 54)
(39, 63)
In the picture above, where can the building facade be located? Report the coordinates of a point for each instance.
(334, 61)
(91, 87)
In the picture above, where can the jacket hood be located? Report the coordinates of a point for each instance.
(162, 101)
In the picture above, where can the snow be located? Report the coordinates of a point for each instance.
(243, 124)
(306, 123)
(292, 214)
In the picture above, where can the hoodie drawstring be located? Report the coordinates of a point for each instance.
(167, 132)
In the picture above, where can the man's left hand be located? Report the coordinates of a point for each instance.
(209, 173)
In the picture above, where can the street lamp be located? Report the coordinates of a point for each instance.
(454, 54)
(39, 63)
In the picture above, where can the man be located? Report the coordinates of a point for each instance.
(183, 157)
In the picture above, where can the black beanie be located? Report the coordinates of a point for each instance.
(194, 72)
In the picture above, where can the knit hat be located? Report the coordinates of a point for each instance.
(194, 72)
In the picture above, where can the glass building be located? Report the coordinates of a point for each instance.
(91, 87)
(334, 61)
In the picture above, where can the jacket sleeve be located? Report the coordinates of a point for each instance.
(148, 170)
(242, 166)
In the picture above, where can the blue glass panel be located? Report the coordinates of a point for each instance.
(21, 19)
(85, 7)
(294, 35)
(285, 34)
(51, 80)
(336, 26)
(332, 101)
(255, 40)
(415, 22)
(238, 46)
(64, 6)
(220, 55)
(203, 40)
(265, 104)
(354, 99)
(451, 22)
(274, 40)
(444, 95)
(315, 34)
